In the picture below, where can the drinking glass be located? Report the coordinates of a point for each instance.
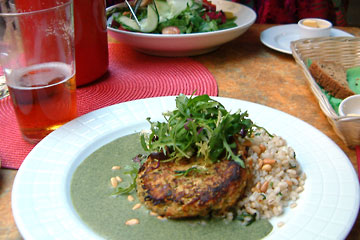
(37, 58)
(3, 88)
(91, 46)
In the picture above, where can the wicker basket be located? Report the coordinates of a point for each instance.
(343, 50)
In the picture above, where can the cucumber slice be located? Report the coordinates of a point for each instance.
(177, 6)
(147, 24)
(171, 8)
(129, 23)
(163, 9)
(150, 23)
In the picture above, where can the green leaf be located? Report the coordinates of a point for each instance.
(186, 172)
(199, 126)
(132, 171)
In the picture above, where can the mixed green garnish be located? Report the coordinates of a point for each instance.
(188, 171)
(188, 16)
(201, 127)
(132, 171)
(198, 127)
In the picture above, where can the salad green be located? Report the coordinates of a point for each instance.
(188, 16)
(199, 126)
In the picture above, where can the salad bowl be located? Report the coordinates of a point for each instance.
(176, 45)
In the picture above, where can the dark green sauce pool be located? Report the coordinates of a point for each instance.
(106, 215)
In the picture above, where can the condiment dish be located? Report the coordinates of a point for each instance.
(350, 106)
(175, 45)
(314, 27)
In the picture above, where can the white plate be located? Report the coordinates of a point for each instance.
(41, 201)
(280, 37)
(186, 44)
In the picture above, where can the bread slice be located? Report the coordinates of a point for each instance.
(332, 77)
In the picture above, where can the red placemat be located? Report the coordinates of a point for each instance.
(131, 75)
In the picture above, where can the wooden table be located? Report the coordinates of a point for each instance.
(244, 69)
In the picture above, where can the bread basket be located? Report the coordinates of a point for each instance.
(345, 51)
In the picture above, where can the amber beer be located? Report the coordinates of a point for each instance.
(44, 98)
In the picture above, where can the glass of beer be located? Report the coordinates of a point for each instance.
(37, 58)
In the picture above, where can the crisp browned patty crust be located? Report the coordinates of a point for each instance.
(211, 189)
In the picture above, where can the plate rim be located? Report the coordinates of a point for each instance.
(265, 33)
(225, 100)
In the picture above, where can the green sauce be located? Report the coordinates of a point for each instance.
(106, 215)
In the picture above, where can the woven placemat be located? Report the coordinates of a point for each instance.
(132, 75)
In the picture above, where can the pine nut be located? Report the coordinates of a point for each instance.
(130, 198)
(131, 222)
(280, 224)
(264, 187)
(266, 167)
(250, 162)
(114, 182)
(136, 206)
(303, 176)
(247, 143)
(293, 205)
(260, 162)
(299, 189)
(256, 149)
(291, 172)
(295, 181)
(262, 148)
(161, 218)
(118, 179)
(269, 161)
(115, 168)
(153, 213)
(283, 185)
(290, 183)
(258, 185)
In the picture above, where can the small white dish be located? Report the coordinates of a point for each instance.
(314, 27)
(185, 44)
(350, 106)
(280, 37)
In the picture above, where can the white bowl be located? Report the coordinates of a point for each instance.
(185, 44)
(350, 106)
(314, 27)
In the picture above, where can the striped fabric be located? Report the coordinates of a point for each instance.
(291, 11)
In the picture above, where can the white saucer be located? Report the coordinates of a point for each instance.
(279, 37)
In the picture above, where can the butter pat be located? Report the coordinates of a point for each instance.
(310, 23)
(314, 23)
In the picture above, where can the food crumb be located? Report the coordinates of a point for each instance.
(115, 168)
(161, 218)
(118, 179)
(153, 213)
(131, 222)
(114, 182)
(293, 205)
(280, 224)
(136, 206)
(130, 198)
